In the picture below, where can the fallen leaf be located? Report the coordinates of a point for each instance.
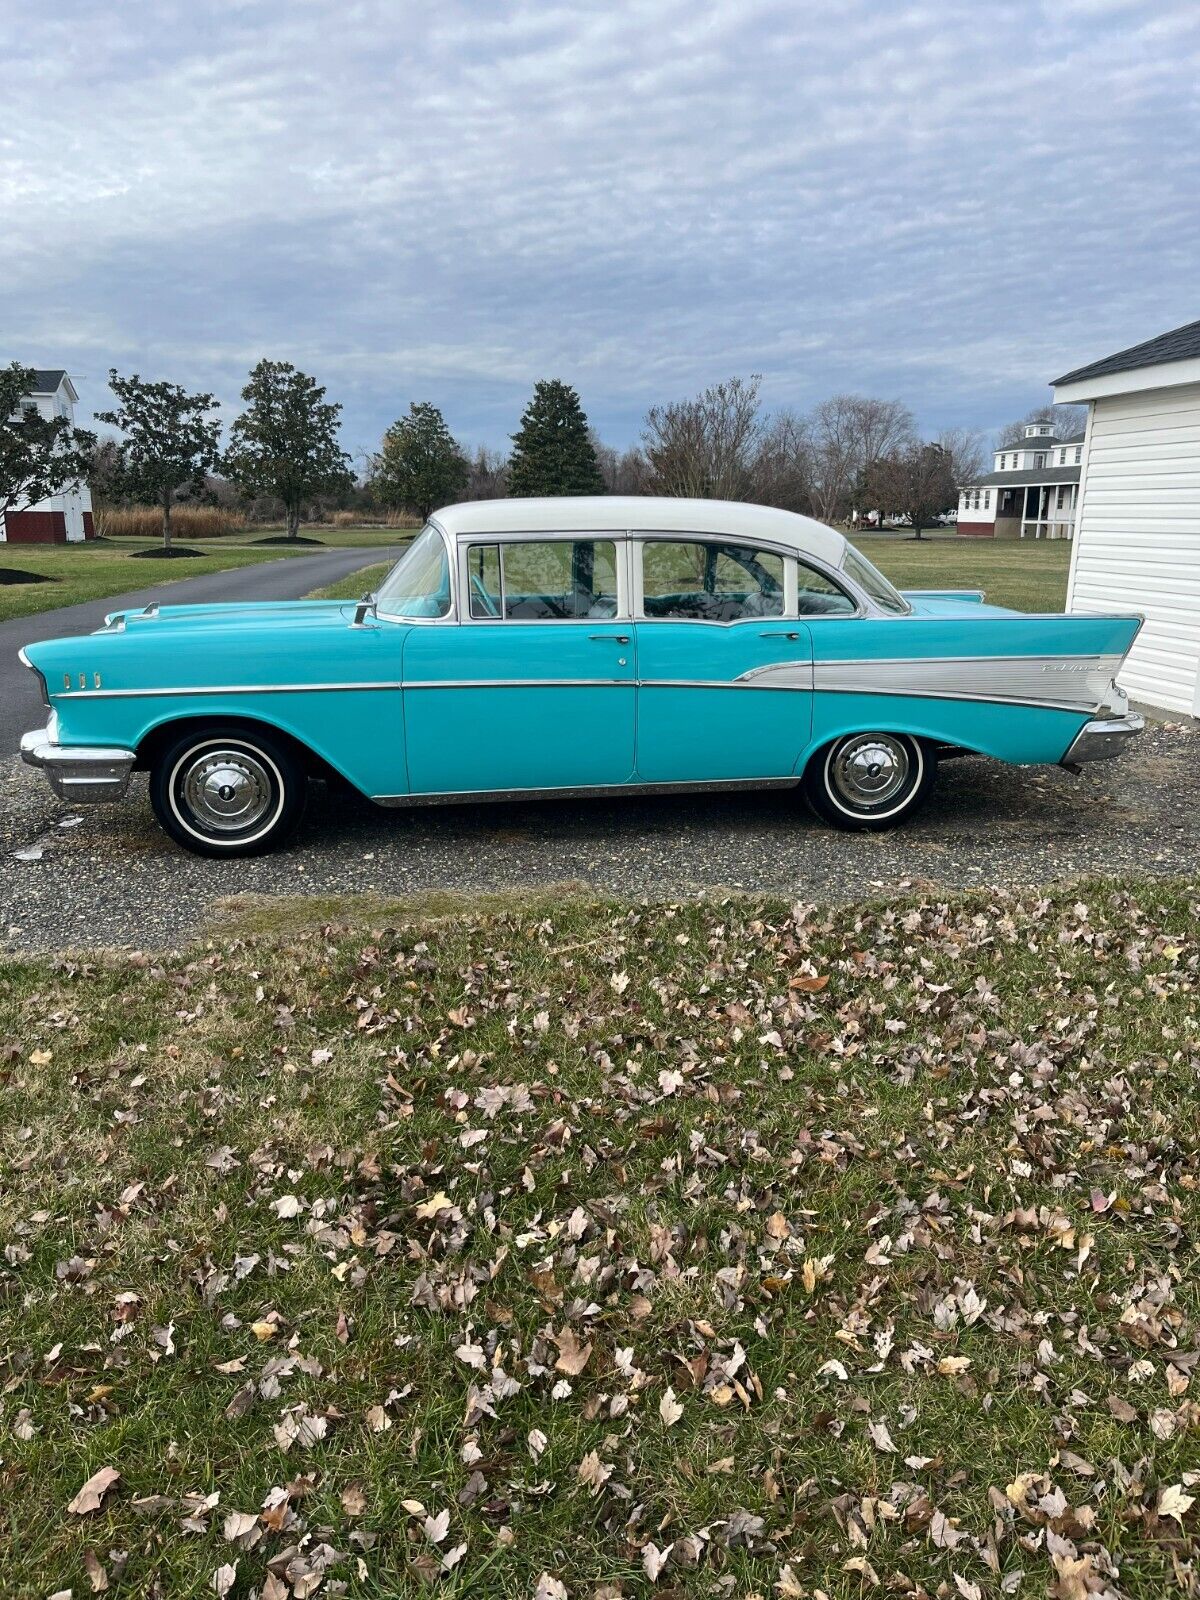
(1173, 1502)
(93, 1491)
(669, 1408)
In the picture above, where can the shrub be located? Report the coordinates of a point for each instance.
(187, 522)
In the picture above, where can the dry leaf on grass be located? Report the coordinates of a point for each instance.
(93, 1491)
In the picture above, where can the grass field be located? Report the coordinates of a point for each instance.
(1029, 575)
(731, 1249)
(91, 571)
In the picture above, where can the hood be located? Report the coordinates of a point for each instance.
(237, 614)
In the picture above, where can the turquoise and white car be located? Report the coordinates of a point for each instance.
(599, 646)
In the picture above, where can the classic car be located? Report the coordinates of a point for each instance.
(598, 646)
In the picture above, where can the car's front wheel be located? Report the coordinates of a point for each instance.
(228, 792)
(869, 781)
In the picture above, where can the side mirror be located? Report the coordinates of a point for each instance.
(364, 609)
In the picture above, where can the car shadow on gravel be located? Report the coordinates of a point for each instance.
(109, 876)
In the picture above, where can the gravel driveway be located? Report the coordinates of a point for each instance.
(108, 876)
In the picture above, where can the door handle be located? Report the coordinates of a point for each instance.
(617, 638)
(778, 635)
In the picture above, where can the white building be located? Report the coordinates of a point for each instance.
(1031, 491)
(65, 517)
(1138, 541)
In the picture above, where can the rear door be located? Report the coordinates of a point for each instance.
(724, 658)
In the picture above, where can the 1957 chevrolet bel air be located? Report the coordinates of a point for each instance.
(579, 646)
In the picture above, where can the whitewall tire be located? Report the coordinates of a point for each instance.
(867, 782)
(228, 791)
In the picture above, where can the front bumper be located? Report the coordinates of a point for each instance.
(78, 773)
(1103, 738)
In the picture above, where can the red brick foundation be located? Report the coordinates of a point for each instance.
(976, 530)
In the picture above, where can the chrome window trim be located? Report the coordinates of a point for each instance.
(863, 605)
(451, 616)
(468, 542)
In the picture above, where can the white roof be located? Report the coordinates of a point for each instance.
(644, 514)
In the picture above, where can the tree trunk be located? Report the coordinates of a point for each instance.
(918, 527)
(166, 522)
(293, 522)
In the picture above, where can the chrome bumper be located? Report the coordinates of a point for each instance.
(78, 773)
(1103, 738)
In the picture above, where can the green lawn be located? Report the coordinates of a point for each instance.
(1029, 575)
(541, 1249)
(356, 585)
(91, 571)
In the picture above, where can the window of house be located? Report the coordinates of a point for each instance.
(1078, 453)
(987, 499)
(542, 580)
(1062, 496)
(691, 581)
(1039, 459)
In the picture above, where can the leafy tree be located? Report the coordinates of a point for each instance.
(552, 449)
(38, 455)
(420, 465)
(170, 445)
(285, 443)
(917, 479)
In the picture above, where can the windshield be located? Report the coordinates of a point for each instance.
(419, 584)
(856, 566)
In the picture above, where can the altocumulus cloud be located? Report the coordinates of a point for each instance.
(947, 203)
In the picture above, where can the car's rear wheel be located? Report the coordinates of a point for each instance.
(227, 791)
(869, 781)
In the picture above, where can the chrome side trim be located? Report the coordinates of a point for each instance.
(225, 688)
(1103, 738)
(79, 773)
(1068, 683)
(586, 791)
(522, 683)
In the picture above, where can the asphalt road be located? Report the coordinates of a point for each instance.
(289, 578)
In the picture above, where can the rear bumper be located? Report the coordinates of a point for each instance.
(78, 773)
(1103, 738)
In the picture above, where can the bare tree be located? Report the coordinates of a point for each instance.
(917, 479)
(705, 448)
(1065, 420)
(625, 471)
(967, 453)
(487, 475)
(783, 466)
(849, 434)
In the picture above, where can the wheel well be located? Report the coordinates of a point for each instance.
(156, 741)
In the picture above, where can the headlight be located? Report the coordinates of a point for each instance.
(25, 662)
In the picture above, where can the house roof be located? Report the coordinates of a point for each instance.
(1026, 476)
(1181, 344)
(611, 513)
(46, 380)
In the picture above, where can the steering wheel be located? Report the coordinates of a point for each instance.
(489, 605)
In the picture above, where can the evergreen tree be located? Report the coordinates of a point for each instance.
(552, 450)
(420, 465)
(285, 443)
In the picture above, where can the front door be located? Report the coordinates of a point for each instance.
(724, 660)
(534, 688)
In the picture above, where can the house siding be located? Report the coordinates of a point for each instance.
(1137, 544)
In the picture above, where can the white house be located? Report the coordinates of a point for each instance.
(65, 517)
(1031, 491)
(1137, 544)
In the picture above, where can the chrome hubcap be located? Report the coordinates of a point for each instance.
(227, 791)
(870, 771)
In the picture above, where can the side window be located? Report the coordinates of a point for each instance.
(819, 596)
(694, 581)
(543, 580)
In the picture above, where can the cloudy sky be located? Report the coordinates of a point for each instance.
(946, 203)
